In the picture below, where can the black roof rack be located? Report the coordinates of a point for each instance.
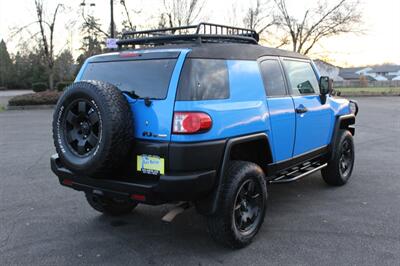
(201, 33)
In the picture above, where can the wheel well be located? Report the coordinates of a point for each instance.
(257, 151)
(254, 148)
(346, 123)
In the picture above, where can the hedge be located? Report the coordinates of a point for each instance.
(39, 86)
(39, 98)
(60, 86)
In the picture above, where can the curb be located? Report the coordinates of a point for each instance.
(369, 95)
(31, 107)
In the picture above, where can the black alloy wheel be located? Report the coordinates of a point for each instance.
(248, 206)
(241, 207)
(341, 162)
(346, 158)
(82, 128)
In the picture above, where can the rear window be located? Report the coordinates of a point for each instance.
(203, 79)
(146, 78)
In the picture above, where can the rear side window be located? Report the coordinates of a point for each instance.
(273, 78)
(146, 78)
(301, 76)
(203, 79)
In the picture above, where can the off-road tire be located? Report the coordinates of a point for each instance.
(112, 207)
(221, 225)
(114, 122)
(333, 174)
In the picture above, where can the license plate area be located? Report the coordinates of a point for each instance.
(150, 164)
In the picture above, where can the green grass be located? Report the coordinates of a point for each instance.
(370, 91)
(2, 108)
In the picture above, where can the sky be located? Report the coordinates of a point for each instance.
(380, 42)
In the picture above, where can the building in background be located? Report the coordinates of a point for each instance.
(327, 69)
(378, 73)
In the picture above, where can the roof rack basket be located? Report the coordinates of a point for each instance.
(201, 33)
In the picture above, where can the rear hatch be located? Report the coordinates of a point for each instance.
(148, 79)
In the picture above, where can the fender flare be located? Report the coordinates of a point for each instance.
(208, 206)
(342, 122)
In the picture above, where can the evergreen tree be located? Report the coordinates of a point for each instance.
(29, 68)
(64, 66)
(21, 71)
(6, 66)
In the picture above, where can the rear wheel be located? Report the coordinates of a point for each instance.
(109, 206)
(242, 205)
(340, 167)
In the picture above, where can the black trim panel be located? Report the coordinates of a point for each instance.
(342, 122)
(179, 157)
(190, 172)
(188, 186)
(208, 205)
(274, 168)
(196, 156)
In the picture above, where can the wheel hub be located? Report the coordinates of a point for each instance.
(85, 128)
(82, 127)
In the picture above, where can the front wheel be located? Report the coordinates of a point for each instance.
(340, 167)
(242, 205)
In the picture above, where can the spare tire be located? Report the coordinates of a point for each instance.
(92, 128)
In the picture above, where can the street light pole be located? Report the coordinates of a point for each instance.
(112, 19)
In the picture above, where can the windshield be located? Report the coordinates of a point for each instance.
(146, 78)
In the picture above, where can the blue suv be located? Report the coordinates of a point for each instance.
(201, 115)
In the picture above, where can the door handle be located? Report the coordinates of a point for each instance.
(301, 110)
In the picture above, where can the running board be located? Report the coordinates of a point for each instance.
(298, 172)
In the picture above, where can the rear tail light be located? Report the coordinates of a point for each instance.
(191, 122)
(138, 197)
(67, 182)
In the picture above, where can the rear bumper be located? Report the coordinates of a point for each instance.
(182, 186)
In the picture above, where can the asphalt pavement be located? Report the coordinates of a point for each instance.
(307, 222)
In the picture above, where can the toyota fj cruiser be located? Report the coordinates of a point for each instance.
(204, 115)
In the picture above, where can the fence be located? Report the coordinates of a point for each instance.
(367, 83)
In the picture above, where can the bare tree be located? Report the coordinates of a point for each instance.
(45, 34)
(47, 37)
(258, 17)
(89, 21)
(180, 12)
(127, 22)
(318, 23)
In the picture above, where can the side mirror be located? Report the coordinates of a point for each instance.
(325, 85)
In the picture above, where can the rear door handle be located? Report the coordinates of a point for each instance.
(301, 109)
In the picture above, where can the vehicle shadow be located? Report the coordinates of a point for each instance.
(144, 231)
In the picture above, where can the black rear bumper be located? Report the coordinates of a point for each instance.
(182, 186)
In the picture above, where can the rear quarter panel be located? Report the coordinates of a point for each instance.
(244, 112)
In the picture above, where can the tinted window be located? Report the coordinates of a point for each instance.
(301, 76)
(203, 79)
(274, 82)
(147, 78)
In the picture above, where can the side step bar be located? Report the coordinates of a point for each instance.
(298, 172)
